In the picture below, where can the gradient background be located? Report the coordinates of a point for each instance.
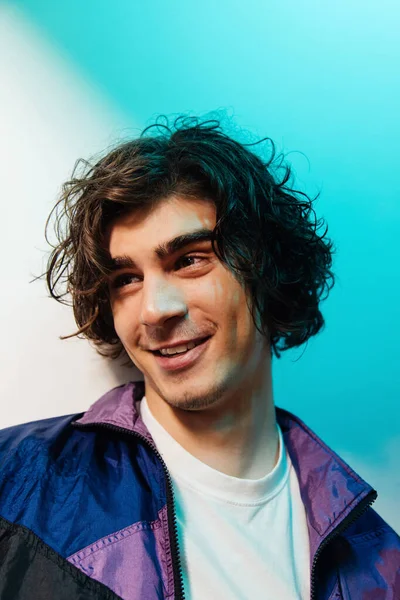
(321, 79)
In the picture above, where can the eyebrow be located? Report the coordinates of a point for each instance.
(165, 249)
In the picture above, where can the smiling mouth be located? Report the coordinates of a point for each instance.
(158, 353)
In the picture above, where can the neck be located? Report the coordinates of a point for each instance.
(237, 435)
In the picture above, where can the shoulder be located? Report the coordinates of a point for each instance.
(31, 447)
(34, 433)
(36, 456)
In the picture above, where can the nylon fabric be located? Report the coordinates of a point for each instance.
(65, 491)
(31, 570)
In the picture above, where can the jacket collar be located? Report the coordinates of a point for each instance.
(329, 488)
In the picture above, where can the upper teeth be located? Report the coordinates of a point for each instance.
(182, 348)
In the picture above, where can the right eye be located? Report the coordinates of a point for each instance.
(121, 279)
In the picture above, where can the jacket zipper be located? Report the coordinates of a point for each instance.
(351, 517)
(176, 561)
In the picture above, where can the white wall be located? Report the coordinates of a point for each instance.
(50, 117)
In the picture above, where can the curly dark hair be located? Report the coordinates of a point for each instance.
(263, 231)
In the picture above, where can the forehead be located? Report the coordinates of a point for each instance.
(168, 218)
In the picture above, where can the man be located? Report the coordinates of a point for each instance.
(184, 251)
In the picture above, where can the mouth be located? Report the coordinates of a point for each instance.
(184, 359)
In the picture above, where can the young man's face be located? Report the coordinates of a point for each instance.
(165, 300)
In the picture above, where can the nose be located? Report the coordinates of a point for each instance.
(160, 302)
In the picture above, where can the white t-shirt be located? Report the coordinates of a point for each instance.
(239, 539)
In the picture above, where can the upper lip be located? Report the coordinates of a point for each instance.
(180, 343)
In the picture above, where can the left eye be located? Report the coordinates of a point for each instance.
(189, 257)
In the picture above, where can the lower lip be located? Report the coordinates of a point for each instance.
(182, 360)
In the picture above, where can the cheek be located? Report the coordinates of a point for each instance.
(123, 326)
(237, 320)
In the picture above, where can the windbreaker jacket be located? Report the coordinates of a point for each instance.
(87, 511)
